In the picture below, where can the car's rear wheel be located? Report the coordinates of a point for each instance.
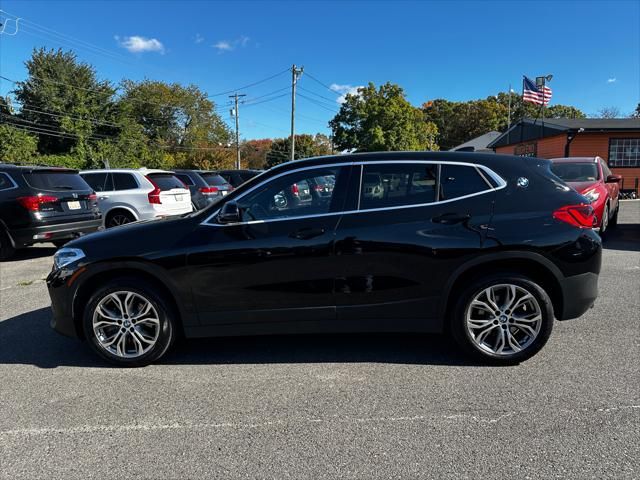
(504, 318)
(613, 220)
(7, 249)
(115, 219)
(128, 323)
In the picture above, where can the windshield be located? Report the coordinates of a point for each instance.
(576, 172)
(56, 181)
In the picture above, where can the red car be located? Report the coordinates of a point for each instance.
(591, 177)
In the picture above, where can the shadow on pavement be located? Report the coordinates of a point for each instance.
(624, 236)
(27, 339)
(30, 253)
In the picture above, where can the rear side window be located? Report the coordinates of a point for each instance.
(460, 180)
(165, 181)
(100, 182)
(398, 184)
(213, 179)
(186, 179)
(55, 181)
(124, 181)
(5, 182)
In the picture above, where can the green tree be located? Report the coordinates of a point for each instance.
(254, 152)
(377, 119)
(16, 145)
(63, 95)
(306, 146)
(636, 112)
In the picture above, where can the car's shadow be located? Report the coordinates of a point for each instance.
(27, 339)
(31, 253)
(624, 236)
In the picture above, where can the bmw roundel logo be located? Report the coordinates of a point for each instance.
(523, 182)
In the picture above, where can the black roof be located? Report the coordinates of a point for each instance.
(532, 129)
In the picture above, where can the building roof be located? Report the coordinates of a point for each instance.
(478, 144)
(532, 129)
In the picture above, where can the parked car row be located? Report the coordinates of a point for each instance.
(46, 204)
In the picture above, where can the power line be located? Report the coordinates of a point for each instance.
(249, 85)
(323, 84)
(330, 100)
(318, 103)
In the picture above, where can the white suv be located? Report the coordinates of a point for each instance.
(127, 195)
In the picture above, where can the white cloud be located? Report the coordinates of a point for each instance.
(138, 44)
(344, 90)
(198, 38)
(228, 45)
(611, 80)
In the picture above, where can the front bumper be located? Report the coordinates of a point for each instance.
(579, 293)
(62, 292)
(24, 237)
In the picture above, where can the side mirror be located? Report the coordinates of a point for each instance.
(613, 179)
(230, 213)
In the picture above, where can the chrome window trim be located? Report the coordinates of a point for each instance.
(498, 179)
(13, 182)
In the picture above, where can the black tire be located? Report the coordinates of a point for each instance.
(166, 315)
(613, 221)
(7, 250)
(461, 334)
(117, 218)
(606, 219)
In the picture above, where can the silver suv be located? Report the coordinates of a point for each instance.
(127, 195)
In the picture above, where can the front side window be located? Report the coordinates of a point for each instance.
(100, 182)
(397, 184)
(624, 152)
(301, 193)
(460, 180)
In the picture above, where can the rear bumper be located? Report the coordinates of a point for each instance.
(579, 293)
(24, 237)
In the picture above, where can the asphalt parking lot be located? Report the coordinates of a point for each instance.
(386, 406)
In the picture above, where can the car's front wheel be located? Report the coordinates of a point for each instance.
(504, 318)
(128, 323)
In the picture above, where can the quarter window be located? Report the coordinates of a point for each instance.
(397, 184)
(302, 193)
(624, 152)
(460, 180)
(5, 182)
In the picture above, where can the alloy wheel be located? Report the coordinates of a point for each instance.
(126, 324)
(119, 219)
(503, 319)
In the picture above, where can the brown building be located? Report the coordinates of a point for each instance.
(617, 140)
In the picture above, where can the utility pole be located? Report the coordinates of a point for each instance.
(295, 74)
(236, 114)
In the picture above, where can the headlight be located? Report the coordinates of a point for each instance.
(65, 256)
(592, 195)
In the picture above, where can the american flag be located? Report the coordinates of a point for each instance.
(532, 93)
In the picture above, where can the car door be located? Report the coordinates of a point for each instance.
(613, 188)
(277, 264)
(415, 223)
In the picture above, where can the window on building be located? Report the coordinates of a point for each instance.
(624, 152)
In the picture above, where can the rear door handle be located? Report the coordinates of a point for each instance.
(451, 218)
(307, 233)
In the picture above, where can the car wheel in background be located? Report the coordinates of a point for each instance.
(605, 221)
(60, 243)
(127, 323)
(6, 248)
(504, 319)
(115, 219)
(613, 220)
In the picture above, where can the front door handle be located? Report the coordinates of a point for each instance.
(307, 233)
(451, 218)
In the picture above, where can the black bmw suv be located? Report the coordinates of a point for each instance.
(44, 204)
(490, 248)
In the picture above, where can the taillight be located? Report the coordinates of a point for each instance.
(34, 202)
(295, 190)
(154, 195)
(208, 190)
(581, 216)
(92, 197)
(319, 188)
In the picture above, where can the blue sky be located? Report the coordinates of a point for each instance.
(453, 50)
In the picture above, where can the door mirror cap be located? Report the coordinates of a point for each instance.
(230, 213)
(613, 179)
